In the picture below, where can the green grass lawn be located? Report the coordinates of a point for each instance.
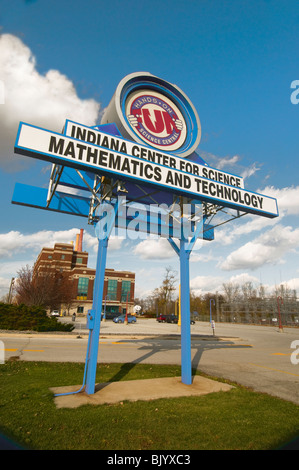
(238, 419)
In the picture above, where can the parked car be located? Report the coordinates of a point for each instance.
(174, 319)
(55, 313)
(109, 315)
(161, 318)
(122, 318)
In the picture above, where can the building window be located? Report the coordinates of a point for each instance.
(62, 256)
(112, 309)
(82, 288)
(112, 289)
(80, 309)
(49, 256)
(79, 260)
(125, 291)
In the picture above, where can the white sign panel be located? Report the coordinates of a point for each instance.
(99, 138)
(106, 160)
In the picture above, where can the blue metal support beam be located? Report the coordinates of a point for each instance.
(94, 320)
(183, 250)
(95, 314)
(186, 369)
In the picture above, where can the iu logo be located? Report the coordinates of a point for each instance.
(156, 120)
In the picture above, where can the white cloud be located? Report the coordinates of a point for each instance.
(287, 199)
(243, 278)
(288, 205)
(232, 231)
(227, 161)
(249, 171)
(202, 257)
(90, 243)
(14, 242)
(4, 286)
(203, 284)
(218, 162)
(8, 271)
(268, 248)
(154, 249)
(291, 283)
(115, 243)
(42, 100)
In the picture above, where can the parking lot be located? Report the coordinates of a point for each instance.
(259, 357)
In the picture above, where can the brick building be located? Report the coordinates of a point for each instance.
(119, 286)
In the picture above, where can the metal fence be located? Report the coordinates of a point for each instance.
(260, 311)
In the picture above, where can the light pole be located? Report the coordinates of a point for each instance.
(126, 317)
(11, 289)
(106, 297)
(212, 321)
(279, 301)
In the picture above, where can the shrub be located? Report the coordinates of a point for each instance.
(22, 317)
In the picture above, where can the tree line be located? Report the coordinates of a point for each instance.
(234, 297)
(54, 289)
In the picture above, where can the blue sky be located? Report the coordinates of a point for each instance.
(236, 61)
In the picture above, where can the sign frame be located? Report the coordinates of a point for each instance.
(46, 147)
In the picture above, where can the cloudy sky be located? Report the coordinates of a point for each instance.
(238, 63)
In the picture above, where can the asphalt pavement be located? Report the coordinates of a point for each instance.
(259, 357)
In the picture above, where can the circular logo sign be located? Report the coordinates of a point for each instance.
(156, 119)
(149, 110)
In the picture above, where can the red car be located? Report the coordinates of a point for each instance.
(161, 318)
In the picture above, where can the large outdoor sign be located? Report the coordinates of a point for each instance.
(151, 148)
(111, 156)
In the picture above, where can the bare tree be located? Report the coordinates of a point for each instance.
(50, 289)
(261, 292)
(163, 295)
(248, 290)
(284, 292)
(231, 291)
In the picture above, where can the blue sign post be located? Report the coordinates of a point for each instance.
(95, 315)
(94, 320)
(142, 153)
